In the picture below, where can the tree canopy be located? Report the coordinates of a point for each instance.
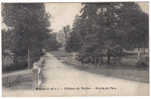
(108, 25)
(29, 26)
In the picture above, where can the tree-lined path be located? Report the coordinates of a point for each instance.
(61, 79)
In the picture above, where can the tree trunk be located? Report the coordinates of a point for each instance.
(138, 54)
(144, 48)
(108, 59)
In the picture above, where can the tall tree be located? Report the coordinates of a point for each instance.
(108, 25)
(30, 25)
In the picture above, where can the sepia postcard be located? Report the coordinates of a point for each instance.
(75, 49)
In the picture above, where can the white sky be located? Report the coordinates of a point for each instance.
(144, 6)
(62, 14)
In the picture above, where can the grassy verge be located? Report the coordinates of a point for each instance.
(18, 80)
(127, 70)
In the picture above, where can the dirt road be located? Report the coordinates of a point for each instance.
(61, 79)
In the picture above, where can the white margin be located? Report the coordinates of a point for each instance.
(88, 97)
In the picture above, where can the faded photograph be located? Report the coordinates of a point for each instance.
(75, 49)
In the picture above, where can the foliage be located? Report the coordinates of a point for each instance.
(72, 44)
(51, 44)
(29, 27)
(102, 27)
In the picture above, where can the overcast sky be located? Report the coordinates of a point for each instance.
(64, 13)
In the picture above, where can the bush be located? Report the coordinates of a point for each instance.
(143, 62)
